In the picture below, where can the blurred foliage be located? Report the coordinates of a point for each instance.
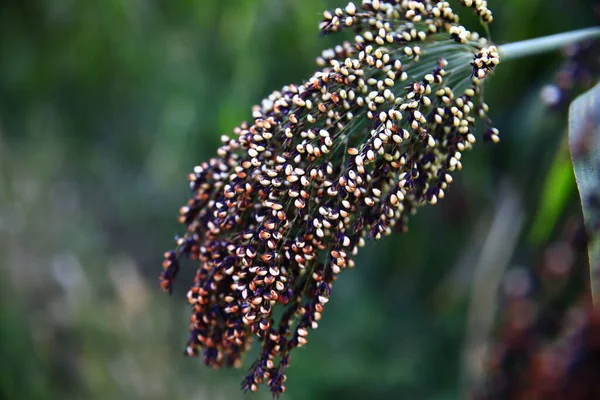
(104, 109)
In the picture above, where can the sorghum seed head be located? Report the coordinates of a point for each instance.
(291, 197)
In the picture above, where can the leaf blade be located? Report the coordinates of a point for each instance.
(584, 144)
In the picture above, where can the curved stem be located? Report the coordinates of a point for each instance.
(543, 44)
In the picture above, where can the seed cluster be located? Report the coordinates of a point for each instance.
(346, 156)
(558, 357)
(578, 72)
(480, 7)
(546, 343)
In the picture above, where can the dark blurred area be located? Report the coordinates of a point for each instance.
(105, 107)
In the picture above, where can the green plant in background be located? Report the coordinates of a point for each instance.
(344, 157)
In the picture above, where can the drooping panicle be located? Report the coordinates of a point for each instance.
(346, 156)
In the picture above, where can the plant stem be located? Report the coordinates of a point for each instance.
(529, 47)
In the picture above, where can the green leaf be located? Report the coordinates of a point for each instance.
(558, 188)
(584, 143)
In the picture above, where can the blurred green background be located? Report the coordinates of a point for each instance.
(104, 109)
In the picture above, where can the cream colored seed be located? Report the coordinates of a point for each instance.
(431, 141)
(351, 9)
(377, 143)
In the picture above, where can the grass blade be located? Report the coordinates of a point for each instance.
(584, 143)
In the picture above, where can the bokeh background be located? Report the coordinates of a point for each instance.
(106, 106)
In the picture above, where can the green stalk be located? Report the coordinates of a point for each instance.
(543, 44)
